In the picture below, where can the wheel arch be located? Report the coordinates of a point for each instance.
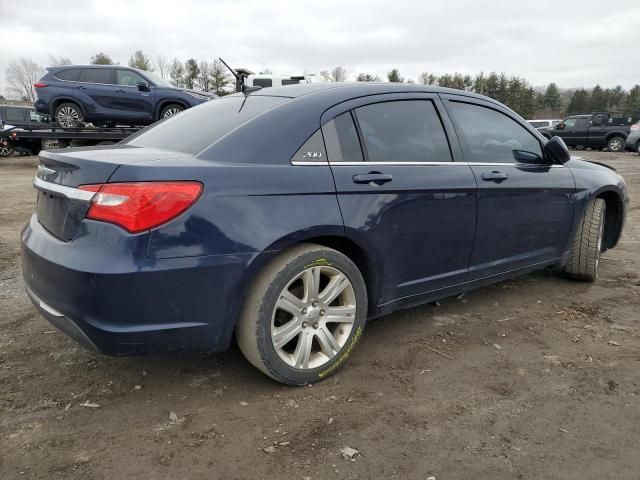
(616, 133)
(165, 102)
(614, 216)
(330, 237)
(59, 100)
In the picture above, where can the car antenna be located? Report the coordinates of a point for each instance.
(240, 77)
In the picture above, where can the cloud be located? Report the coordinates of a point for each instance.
(574, 43)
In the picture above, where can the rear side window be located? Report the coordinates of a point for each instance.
(312, 150)
(341, 139)
(196, 128)
(262, 82)
(70, 75)
(290, 81)
(403, 131)
(489, 136)
(97, 75)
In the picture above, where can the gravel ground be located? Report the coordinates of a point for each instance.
(542, 383)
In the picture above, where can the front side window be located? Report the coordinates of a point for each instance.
(341, 139)
(403, 131)
(489, 136)
(128, 78)
(97, 75)
(569, 123)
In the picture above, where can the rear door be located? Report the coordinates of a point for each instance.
(525, 211)
(97, 85)
(400, 192)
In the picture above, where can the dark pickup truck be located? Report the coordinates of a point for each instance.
(595, 131)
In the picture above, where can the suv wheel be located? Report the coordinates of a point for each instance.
(171, 110)
(68, 115)
(304, 315)
(5, 151)
(584, 256)
(615, 144)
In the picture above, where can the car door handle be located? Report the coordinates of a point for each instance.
(121, 91)
(375, 178)
(494, 176)
(81, 87)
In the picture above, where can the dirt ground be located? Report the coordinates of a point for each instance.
(542, 382)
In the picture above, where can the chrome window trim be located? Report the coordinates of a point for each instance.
(469, 164)
(67, 192)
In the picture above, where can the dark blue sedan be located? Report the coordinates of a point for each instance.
(289, 216)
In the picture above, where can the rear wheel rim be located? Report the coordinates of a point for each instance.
(68, 117)
(5, 151)
(170, 112)
(313, 317)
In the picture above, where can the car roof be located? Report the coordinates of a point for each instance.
(358, 89)
(60, 67)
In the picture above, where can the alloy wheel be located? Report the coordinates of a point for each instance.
(313, 317)
(5, 151)
(68, 117)
(615, 145)
(170, 112)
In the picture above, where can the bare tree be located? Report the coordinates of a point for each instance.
(58, 61)
(326, 76)
(367, 77)
(162, 65)
(176, 73)
(21, 75)
(427, 78)
(339, 74)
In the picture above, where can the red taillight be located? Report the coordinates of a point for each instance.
(40, 85)
(142, 205)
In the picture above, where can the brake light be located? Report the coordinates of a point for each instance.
(141, 206)
(40, 85)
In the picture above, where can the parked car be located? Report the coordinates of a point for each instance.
(109, 95)
(633, 140)
(543, 123)
(291, 215)
(595, 131)
(12, 115)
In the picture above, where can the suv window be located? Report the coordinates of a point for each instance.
(403, 131)
(70, 75)
(489, 136)
(341, 139)
(197, 128)
(262, 82)
(128, 78)
(97, 75)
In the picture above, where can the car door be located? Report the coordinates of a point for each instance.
(96, 84)
(525, 208)
(133, 102)
(400, 192)
(575, 132)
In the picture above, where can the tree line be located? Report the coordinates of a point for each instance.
(548, 101)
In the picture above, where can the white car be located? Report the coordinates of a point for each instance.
(543, 123)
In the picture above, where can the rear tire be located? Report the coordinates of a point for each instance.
(171, 110)
(291, 327)
(616, 144)
(69, 115)
(6, 151)
(584, 257)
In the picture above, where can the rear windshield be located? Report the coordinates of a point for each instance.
(195, 129)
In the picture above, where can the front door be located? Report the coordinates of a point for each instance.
(525, 210)
(132, 102)
(400, 192)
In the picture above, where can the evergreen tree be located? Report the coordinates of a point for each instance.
(579, 102)
(394, 76)
(191, 72)
(219, 78)
(552, 99)
(176, 73)
(140, 61)
(101, 58)
(367, 77)
(632, 102)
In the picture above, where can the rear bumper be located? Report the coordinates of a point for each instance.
(122, 303)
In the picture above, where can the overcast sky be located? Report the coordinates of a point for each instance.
(574, 43)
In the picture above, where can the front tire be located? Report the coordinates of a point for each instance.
(69, 115)
(304, 315)
(616, 144)
(171, 110)
(584, 257)
(6, 151)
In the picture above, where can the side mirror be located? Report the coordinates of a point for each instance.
(559, 126)
(556, 151)
(524, 156)
(143, 86)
